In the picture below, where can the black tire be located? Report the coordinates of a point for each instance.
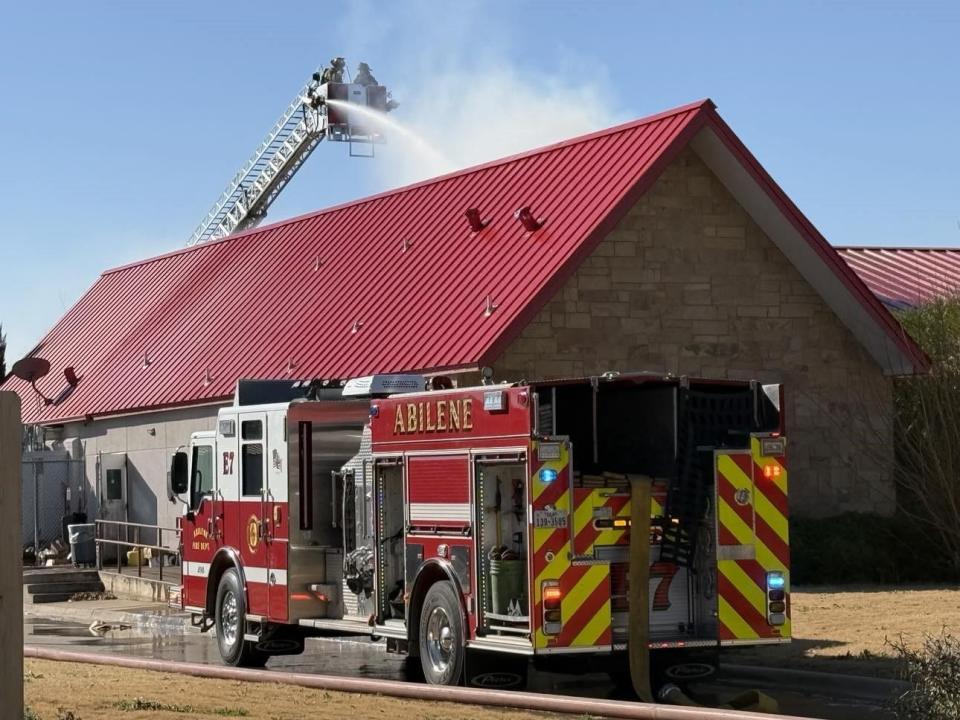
(231, 613)
(412, 669)
(441, 638)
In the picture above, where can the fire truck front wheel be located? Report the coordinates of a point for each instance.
(441, 635)
(231, 624)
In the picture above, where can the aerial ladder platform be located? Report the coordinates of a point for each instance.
(320, 110)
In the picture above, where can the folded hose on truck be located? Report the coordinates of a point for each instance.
(638, 637)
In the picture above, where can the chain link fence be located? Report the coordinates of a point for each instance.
(50, 479)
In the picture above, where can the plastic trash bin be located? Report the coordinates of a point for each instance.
(83, 546)
(506, 584)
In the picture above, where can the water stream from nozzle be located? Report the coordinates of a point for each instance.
(439, 163)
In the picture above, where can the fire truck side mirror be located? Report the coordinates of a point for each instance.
(179, 482)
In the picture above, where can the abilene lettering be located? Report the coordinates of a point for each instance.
(433, 417)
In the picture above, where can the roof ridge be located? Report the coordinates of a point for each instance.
(899, 248)
(575, 140)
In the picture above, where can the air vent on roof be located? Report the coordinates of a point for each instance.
(207, 377)
(473, 217)
(406, 245)
(529, 222)
(317, 263)
(356, 326)
(488, 311)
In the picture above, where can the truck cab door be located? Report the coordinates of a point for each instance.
(252, 521)
(200, 524)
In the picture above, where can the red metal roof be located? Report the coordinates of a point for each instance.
(394, 282)
(906, 277)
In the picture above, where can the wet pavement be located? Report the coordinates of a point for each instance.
(362, 658)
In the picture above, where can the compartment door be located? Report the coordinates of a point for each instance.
(276, 523)
(741, 575)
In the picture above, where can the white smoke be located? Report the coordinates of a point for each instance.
(471, 117)
(470, 100)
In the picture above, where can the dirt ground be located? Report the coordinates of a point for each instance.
(848, 629)
(54, 690)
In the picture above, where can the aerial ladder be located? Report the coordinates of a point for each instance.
(323, 108)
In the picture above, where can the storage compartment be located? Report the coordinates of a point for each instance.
(390, 538)
(502, 531)
(666, 432)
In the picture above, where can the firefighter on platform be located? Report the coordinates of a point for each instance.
(334, 73)
(364, 76)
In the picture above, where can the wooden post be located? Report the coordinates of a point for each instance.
(11, 558)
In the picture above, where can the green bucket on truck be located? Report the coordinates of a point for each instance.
(506, 584)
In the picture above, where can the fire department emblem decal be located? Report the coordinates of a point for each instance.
(742, 496)
(253, 533)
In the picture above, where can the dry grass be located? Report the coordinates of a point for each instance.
(55, 689)
(846, 629)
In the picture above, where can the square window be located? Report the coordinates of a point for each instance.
(251, 430)
(114, 485)
(251, 468)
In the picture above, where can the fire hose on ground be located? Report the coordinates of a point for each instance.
(490, 698)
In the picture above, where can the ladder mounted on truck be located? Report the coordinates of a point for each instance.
(703, 422)
(320, 110)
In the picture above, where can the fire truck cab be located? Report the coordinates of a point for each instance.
(490, 522)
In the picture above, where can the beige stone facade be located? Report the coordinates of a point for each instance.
(688, 284)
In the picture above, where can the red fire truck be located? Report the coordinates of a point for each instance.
(491, 521)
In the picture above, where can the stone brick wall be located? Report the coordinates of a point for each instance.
(689, 284)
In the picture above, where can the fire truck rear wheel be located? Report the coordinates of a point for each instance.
(231, 623)
(441, 635)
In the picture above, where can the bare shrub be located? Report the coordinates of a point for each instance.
(933, 672)
(927, 428)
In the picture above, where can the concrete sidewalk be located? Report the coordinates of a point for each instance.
(135, 613)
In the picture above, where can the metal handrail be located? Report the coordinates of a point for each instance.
(118, 543)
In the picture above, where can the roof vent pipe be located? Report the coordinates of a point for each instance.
(473, 217)
(71, 376)
(530, 223)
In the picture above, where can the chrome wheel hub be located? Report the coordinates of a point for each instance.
(439, 640)
(229, 618)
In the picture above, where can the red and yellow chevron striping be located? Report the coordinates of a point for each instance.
(753, 539)
(586, 584)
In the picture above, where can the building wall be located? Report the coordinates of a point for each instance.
(687, 283)
(148, 440)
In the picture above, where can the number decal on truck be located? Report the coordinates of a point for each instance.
(549, 519)
(664, 571)
(228, 462)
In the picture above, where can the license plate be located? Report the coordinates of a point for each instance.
(549, 519)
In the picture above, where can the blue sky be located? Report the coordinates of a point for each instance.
(122, 121)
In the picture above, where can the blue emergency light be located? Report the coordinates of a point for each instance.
(776, 581)
(548, 475)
